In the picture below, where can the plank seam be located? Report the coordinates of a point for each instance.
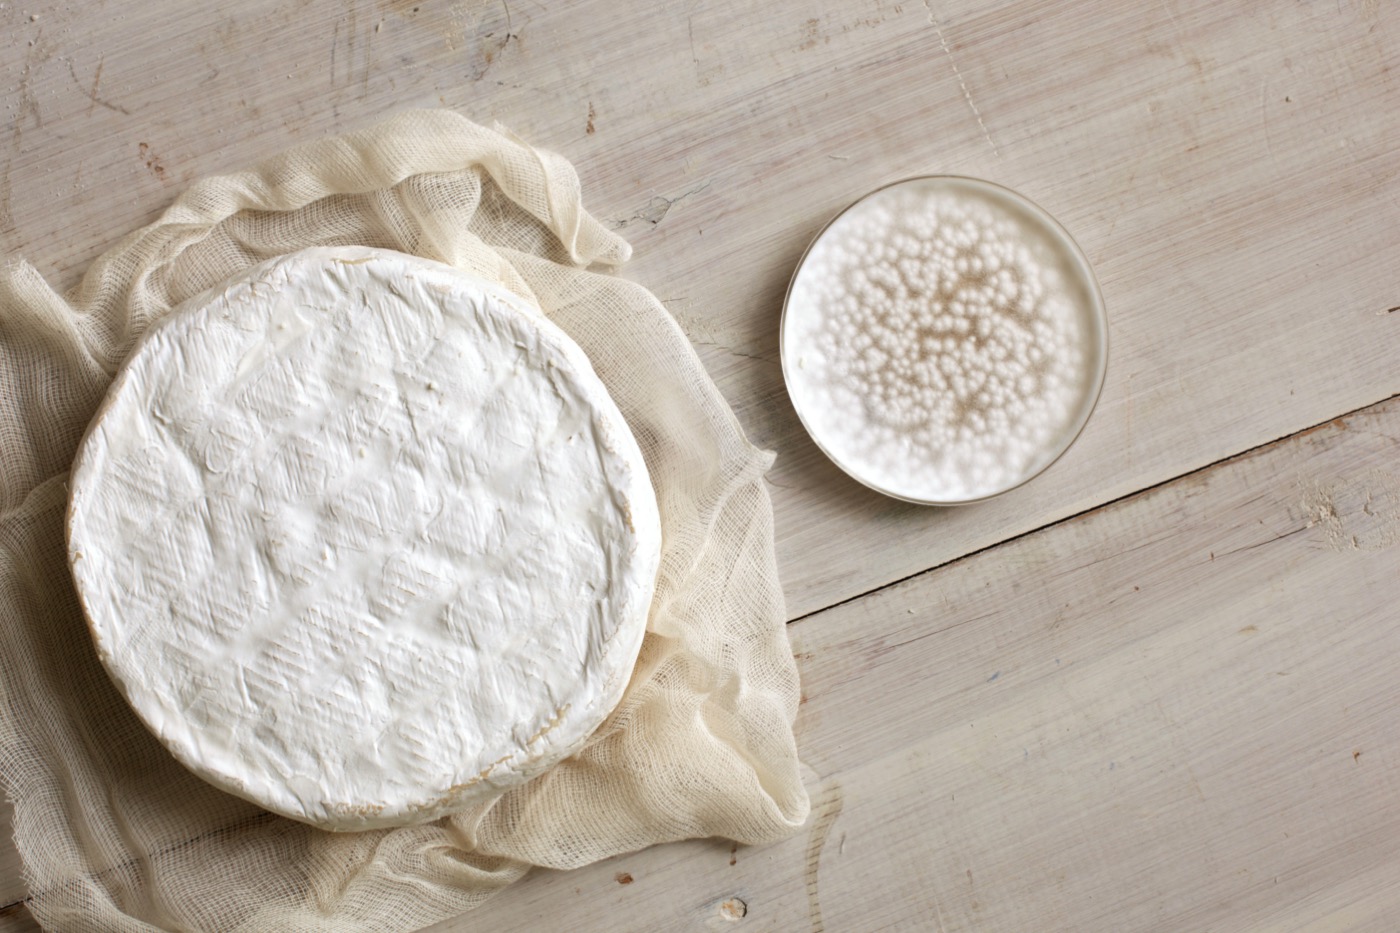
(6, 909)
(1126, 497)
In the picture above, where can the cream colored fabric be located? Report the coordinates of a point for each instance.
(115, 835)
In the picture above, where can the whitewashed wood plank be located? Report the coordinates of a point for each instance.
(1178, 712)
(1230, 175)
(17, 919)
(1215, 166)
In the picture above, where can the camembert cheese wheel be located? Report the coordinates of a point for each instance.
(363, 539)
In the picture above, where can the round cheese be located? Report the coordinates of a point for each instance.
(363, 539)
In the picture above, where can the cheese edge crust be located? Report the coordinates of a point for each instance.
(543, 750)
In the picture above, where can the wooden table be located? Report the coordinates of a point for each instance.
(1156, 688)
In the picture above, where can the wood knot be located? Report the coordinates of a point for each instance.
(733, 910)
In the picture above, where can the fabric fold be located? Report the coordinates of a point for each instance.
(115, 835)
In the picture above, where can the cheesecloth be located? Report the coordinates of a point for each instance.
(115, 835)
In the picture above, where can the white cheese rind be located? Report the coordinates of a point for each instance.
(363, 539)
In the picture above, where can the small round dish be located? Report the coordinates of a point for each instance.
(943, 340)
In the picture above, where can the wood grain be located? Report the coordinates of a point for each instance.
(1213, 166)
(16, 918)
(1233, 178)
(1230, 176)
(1178, 712)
